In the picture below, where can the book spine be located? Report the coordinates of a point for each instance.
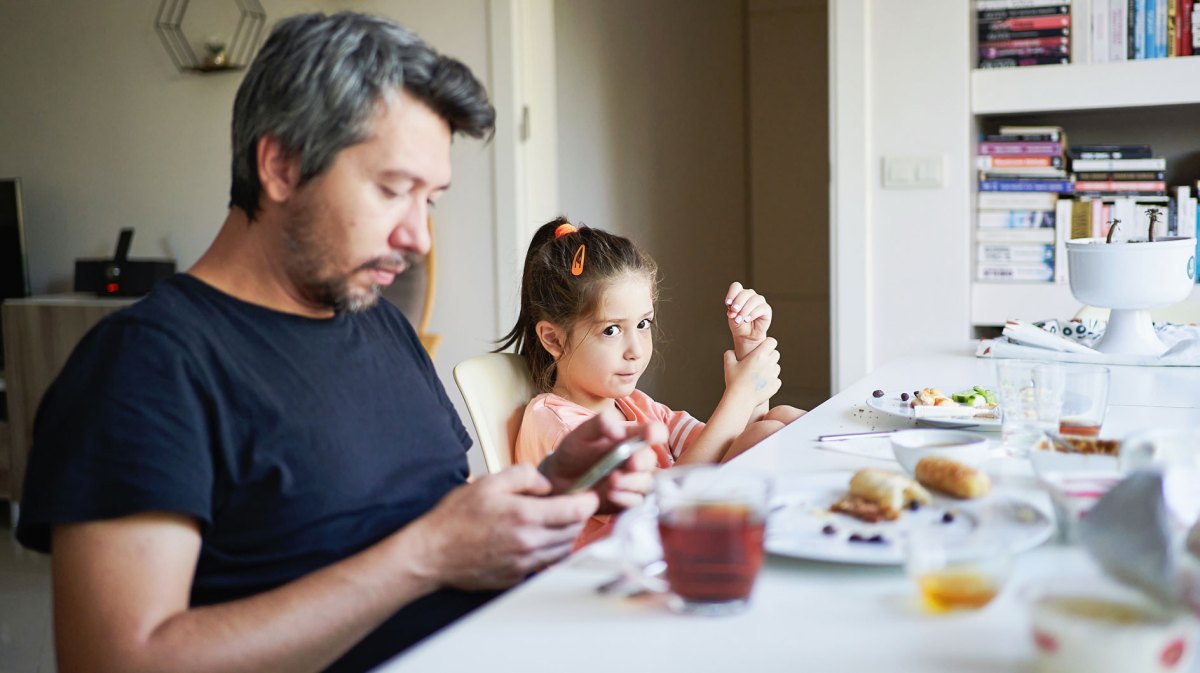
(1062, 231)
(992, 53)
(1017, 272)
(1017, 200)
(1009, 5)
(1043, 22)
(1153, 164)
(1022, 137)
(1118, 30)
(1012, 35)
(1138, 29)
(989, 161)
(1015, 219)
(1162, 24)
(1016, 235)
(1056, 186)
(1109, 152)
(1081, 21)
(1026, 43)
(1126, 176)
(1185, 28)
(1021, 61)
(996, 15)
(1099, 31)
(1120, 186)
(1016, 253)
(1173, 32)
(1020, 148)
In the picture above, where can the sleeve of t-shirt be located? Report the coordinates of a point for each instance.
(682, 428)
(122, 430)
(542, 429)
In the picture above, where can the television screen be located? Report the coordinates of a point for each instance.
(14, 273)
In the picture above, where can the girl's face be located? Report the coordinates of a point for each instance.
(607, 353)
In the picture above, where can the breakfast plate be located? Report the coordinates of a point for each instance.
(944, 417)
(801, 525)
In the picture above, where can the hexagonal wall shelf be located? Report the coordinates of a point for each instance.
(234, 56)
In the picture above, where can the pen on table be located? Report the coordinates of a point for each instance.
(853, 435)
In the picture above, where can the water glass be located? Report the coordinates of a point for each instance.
(1084, 401)
(1031, 399)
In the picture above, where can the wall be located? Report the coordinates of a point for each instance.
(106, 133)
(651, 146)
(919, 257)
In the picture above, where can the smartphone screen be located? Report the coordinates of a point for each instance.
(611, 461)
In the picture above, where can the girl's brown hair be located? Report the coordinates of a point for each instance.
(551, 292)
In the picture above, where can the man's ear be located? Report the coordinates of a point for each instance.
(278, 173)
(553, 339)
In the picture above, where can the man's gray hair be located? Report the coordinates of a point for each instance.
(318, 81)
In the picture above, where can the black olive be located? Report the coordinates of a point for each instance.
(877, 393)
(877, 539)
(855, 537)
(904, 397)
(948, 517)
(829, 529)
(914, 506)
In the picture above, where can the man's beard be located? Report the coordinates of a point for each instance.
(311, 266)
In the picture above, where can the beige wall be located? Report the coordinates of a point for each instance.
(105, 133)
(651, 146)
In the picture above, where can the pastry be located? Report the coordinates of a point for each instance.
(888, 492)
(952, 477)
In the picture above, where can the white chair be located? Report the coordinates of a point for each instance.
(496, 388)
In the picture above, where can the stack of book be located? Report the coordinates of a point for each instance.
(1126, 183)
(1016, 33)
(1021, 174)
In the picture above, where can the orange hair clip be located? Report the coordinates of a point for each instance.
(564, 229)
(577, 261)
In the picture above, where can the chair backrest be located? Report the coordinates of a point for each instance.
(496, 388)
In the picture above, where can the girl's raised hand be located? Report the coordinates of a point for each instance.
(749, 317)
(754, 378)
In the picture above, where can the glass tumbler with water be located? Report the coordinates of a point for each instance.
(1031, 397)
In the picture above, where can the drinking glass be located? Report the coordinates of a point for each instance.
(1085, 399)
(1031, 397)
(959, 573)
(711, 522)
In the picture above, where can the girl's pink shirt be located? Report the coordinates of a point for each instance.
(548, 418)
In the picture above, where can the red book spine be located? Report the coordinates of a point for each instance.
(1185, 28)
(1027, 23)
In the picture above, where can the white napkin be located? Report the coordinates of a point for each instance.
(1021, 340)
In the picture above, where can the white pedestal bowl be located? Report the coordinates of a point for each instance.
(1131, 278)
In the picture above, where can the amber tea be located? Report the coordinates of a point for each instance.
(713, 550)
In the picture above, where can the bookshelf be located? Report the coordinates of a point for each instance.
(1123, 102)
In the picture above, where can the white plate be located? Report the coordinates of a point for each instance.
(892, 405)
(795, 529)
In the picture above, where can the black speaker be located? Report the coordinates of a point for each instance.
(121, 276)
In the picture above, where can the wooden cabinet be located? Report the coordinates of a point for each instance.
(39, 335)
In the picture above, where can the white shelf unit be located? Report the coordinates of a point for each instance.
(1085, 94)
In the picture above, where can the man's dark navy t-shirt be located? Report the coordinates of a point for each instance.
(294, 442)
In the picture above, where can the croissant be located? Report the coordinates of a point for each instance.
(889, 490)
(954, 478)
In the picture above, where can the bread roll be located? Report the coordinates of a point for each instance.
(954, 478)
(890, 490)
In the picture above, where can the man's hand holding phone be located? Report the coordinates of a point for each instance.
(580, 462)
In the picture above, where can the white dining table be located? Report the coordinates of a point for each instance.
(804, 615)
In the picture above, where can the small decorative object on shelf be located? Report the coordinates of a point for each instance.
(219, 56)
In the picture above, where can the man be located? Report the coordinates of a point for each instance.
(255, 468)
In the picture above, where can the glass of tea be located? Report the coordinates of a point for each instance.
(1085, 398)
(711, 522)
(956, 573)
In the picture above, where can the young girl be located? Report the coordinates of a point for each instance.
(585, 328)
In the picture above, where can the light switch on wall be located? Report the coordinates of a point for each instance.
(912, 172)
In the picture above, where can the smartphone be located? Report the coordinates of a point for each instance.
(611, 461)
